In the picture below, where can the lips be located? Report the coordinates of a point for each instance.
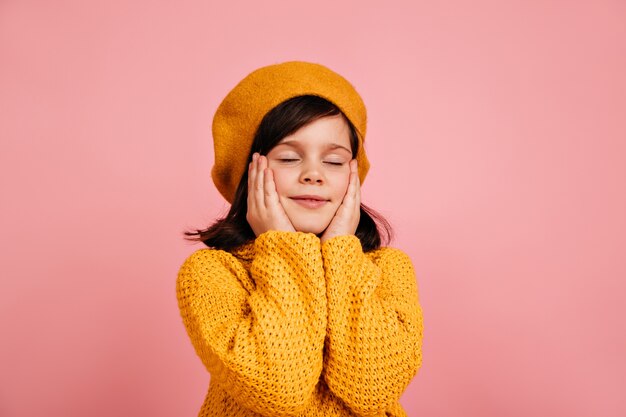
(309, 197)
(310, 201)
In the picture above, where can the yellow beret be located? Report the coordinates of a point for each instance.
(239, 115)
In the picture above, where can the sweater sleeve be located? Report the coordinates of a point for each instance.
(263, 343)
(375, 324)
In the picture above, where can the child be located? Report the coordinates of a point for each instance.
(296, 309)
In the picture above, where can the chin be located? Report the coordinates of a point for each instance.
(308, 227)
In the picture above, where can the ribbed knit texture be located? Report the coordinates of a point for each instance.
(290, 327)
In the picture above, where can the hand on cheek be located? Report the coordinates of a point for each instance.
(348, 214)
(265, 212)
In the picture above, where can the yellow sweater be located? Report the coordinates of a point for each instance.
(291, 327)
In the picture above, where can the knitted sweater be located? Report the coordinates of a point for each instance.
(288, 326)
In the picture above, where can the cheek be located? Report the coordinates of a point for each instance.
(342, 181)
(281, 179)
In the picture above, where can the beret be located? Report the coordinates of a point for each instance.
(240, 113)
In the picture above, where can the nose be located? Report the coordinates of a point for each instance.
(311, 174)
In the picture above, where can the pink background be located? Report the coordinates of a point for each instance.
(497, 137)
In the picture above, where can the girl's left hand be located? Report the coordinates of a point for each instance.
(348, 214)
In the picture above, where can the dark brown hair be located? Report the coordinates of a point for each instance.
(233, 230)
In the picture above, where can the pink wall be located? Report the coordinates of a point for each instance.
(497, 140)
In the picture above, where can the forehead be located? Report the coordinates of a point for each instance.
(327, 132)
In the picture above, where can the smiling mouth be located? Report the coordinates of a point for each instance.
(310, 203)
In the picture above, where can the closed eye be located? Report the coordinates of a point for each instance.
(295, 160)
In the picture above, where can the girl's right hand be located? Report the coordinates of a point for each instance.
(265, 212)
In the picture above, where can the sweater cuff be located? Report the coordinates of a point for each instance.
(273, 238)
(300, 250)
(341, 248)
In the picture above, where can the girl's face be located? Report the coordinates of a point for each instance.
(311, 172)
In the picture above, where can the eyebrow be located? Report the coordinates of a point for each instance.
(330, 146)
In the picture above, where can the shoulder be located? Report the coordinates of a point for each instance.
(205, 262)
(204, 257)
(211, 270)
(397, 271)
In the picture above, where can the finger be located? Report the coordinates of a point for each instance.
(271, 196)
(352, 190)
(355, 199)
(261, 164)
(250, 197)
(346, 208)
(352, 185)
(260, 178)
(252, 172)
(358, 185)
(252, 176)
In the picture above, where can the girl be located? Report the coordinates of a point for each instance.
(296, 309)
